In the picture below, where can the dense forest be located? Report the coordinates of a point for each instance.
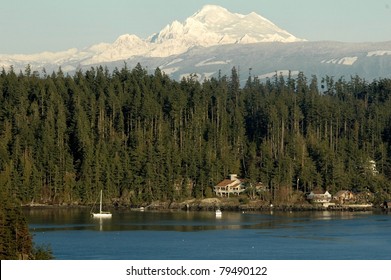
(143, 137)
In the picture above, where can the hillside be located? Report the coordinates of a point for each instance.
(143, 137)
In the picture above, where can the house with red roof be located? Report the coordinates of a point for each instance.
(230, 186)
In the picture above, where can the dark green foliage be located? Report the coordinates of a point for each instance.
(15, 239)
(144, 137)
(43, 252)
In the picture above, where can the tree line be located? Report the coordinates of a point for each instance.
(143, 137)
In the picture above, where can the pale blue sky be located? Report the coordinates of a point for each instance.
(33, 26)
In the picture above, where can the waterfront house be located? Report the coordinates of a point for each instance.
(344, 196)
(319, 196)
(231, 185)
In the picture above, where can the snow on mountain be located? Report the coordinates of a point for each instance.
(343, 61)
(213, 41)
(212, 25)
(124, 47)
(220, 21)
(379, 53)
(264, 60)
(44, 57)
(284, 73)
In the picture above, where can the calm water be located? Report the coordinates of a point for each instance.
(73, 234)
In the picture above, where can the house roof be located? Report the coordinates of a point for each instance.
(224, 183)
(237, 184)
(231, 183)
(342, 193)
(318, 192)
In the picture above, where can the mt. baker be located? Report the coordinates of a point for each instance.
(211, 26)
(213, 41)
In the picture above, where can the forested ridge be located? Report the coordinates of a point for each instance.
(143, 137)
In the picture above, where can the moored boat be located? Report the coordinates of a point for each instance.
(101, 214)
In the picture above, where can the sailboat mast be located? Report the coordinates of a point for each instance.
(100, 205)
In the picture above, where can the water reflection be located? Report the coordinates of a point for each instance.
(55, 219)
(100, 220)
(74, 234)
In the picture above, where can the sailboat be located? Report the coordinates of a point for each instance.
(101, 214)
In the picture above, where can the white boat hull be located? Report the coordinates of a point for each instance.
(101, 215)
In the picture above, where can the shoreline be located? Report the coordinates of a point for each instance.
(211, 204)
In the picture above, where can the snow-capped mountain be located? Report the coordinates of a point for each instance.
(214, 25)
(211, 42)
(211, 26)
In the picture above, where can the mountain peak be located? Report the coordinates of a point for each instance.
(215, 25)
(211, 26)
(218, 14)
(213, 14)
(127, 39)
(209, 8)
(209, 11)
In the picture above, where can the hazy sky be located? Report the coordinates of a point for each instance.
(28, 26)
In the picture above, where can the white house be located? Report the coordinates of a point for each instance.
(232, 185)
(319, 196)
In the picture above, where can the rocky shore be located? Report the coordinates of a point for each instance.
(228, 204)
(233, 204)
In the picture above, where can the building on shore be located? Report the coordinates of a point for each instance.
(319, 196)
(230, 186)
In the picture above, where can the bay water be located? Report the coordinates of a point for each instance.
(73, 234)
